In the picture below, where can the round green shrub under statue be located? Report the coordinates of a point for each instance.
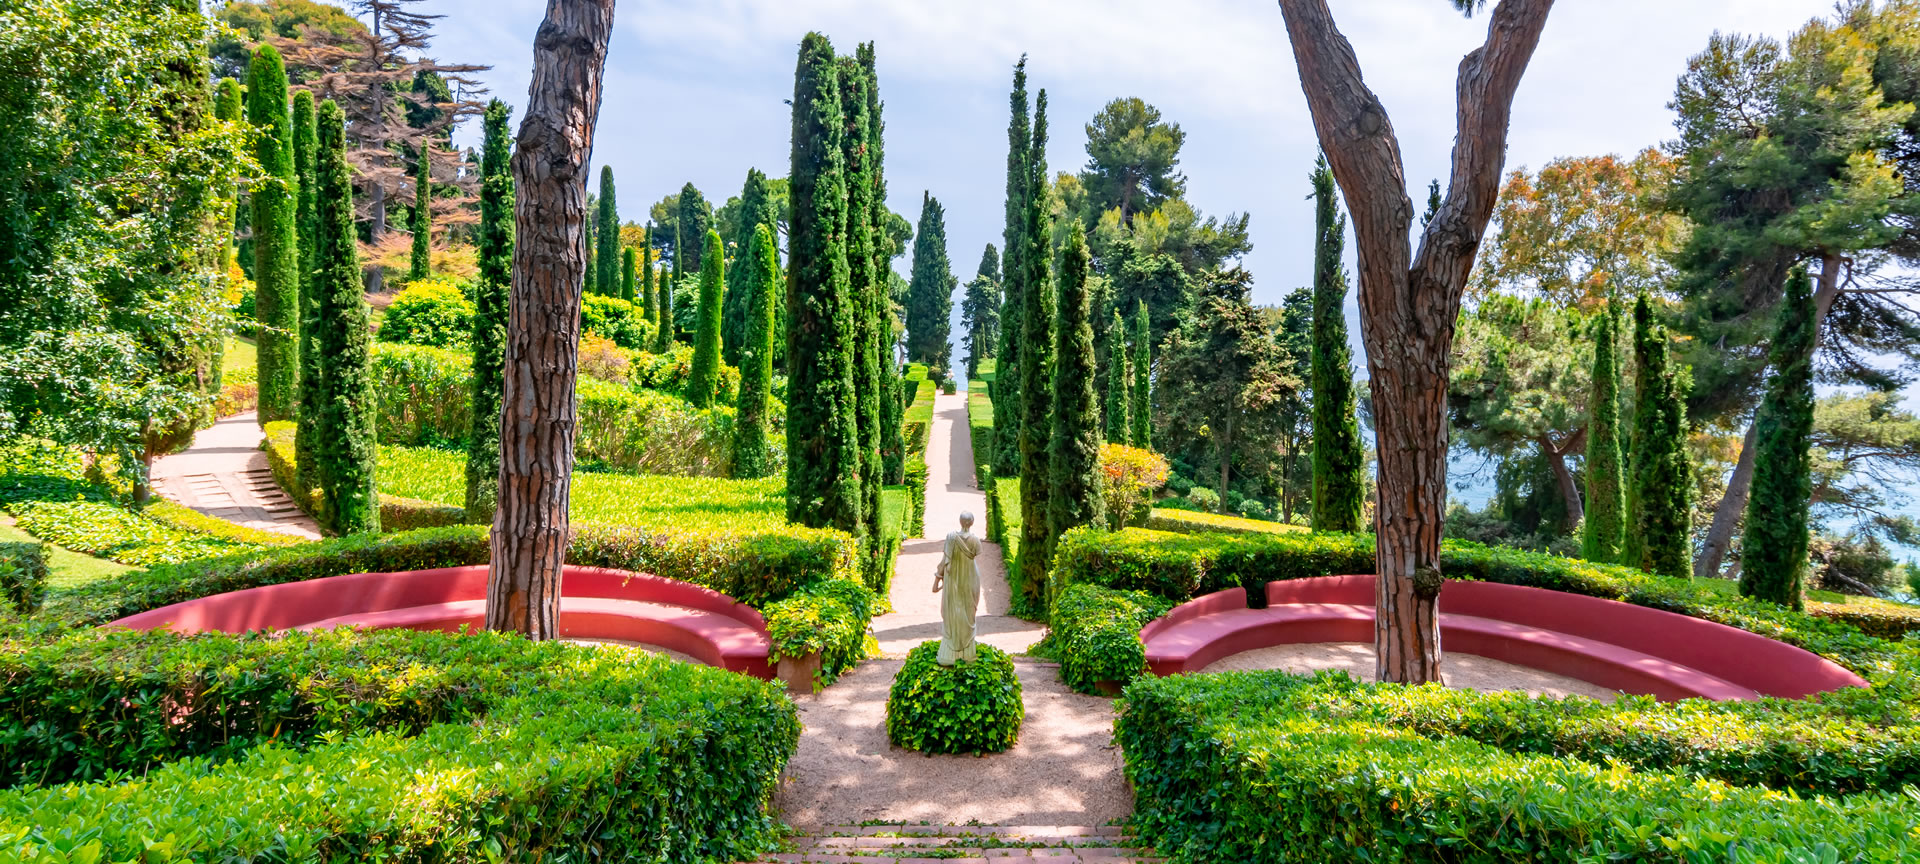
(965, 708)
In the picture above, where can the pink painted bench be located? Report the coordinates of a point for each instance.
(595, 603)
(1615, 645)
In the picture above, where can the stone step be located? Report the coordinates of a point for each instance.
(912, 844)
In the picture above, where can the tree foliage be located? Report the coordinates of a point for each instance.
(930, 295)
(1222, 379)
(1659, 497)
(1035, 430)
(490, 314)
(1007, 382)
(1604, 529)
(1581, 230)
(742, 217)
(421, 260)
(1338, 458)
(1141, 413)
(306, 143)
(756, 354)
(980, 311)
(1133, 158)
(1774, 550)
(606, 235)
(1119, 425)
(276, 250)
(1073, 453)
(348, 497)
(704, 377)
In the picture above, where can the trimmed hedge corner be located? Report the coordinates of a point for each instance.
(188, 519)
(1096, 636)
(964, 708)
(829, 618)
(1196, 522)
(389, 745)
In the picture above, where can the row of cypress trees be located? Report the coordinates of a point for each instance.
(1638, 507)
(313, 343)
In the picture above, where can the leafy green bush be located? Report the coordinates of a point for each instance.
(615, 319)
(829, 618)
(1204, 498)
(426, 395)
(964, 708)
(1095, 633)
(239, 391)
(388, 745)
(432, 312)
(187, 519)
(108, 531)
(1184, 521)
(669, 372)
(1255, 509)
(23, 575)
(917, 492)
(1251, 767)
(1885, 620)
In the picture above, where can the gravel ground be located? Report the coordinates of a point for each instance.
(1461, 670)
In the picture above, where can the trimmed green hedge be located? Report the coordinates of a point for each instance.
(827, 617)
(980, 425)
(391, 745)
(188, 519)
(1255, 767)
(109, 531)
(1096, 635)
(1884, 619)
(916, 518)
(1196, 522)
(23, 576)
(396, 513)
(964, 708)
(917, 421)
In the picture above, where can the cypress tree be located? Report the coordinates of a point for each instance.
(1774, 551)
(1036, 372)
(1007, 379)
(756, 208)
(690, 226)
(590, 283)
(1659, 497)
(227, 105)
(305, 143)
(703, 380)
(490, 305)
(607, 230)
(762, 267)
(628, 271)
(1073, 455)
(663, 339)
(823, 455)
(930, 291)
(645, 286)
(861, 279)
(1338, 460)
(892, 405)
(276, 269)
(348, 502)
(1119, 424)
(1606, 493)
(422, 223)
(1142, 413)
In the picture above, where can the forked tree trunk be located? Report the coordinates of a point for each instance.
(543, 329)
(1713, 552)
(1409, 302)
(1562, 475)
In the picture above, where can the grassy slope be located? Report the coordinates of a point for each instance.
(240, 354)
(69, 568)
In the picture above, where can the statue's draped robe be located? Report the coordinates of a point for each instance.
(959, 599)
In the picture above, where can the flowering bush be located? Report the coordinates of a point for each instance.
(1128, 478)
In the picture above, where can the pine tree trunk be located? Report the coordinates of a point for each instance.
(1562, 475)
(1726, 517)
(543, 330)
(1409, 302)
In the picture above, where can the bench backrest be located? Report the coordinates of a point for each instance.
(1218, 601)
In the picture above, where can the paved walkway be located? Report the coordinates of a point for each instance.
(225, 475)
(1065, 770)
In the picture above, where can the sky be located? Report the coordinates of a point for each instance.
(695, 92)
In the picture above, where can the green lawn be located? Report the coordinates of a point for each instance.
(240, 354)
(69, 568)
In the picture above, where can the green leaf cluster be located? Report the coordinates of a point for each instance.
(1774, 547)
(829, 618)
(23, 576)
(964, 708)
(1095, 632)
(434, 312)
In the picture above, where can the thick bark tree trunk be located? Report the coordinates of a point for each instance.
(1408, 302)
(1557, 461)
(1713, 552)
(543, 330)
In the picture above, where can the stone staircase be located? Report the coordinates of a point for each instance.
(963, 844)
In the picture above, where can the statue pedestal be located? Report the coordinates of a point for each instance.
(798, 673)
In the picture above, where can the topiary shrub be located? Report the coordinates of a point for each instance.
(1095, 633)
(432, 312)
(23, 575)
(1204, 498)
(617, 320)
(829, 618)
(964, 708)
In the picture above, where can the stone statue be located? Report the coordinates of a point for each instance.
(958, 585)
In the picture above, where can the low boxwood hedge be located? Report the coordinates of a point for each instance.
(1260, 767)
(1883, 619)
(1196, 522)
(970, 707)
(391, 746)
(1096, 635)
(396, 513)
(829, 618)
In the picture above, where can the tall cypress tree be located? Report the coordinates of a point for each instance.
(1073, 455)
(305, 143)
(607, 237)
(1007, 411)
(823, 452)
(1605, 525)
(930, 291)
(276, 249)
(703, 380)
(879, 299)
(1660, 490)
(861, 278)
(629, 269)
(1036, 372)
(422, 223)
(762, 267)
(590, 283)
(1338, 461)
(1119, 424)
(757, 208)
(348, 503)
(490, 314)
(1142, 413)
(691, 221)
(645, 286)
(1774, 551)
(228, 105)
(980, 312)
(664, 338)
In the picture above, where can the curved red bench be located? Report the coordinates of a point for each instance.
(1615, 645)
(595, 603)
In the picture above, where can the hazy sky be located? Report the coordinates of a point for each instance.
(694, 91)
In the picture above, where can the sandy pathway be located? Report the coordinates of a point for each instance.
(1466, 671)
(224, 474)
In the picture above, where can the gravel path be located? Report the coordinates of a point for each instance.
(1465, 671)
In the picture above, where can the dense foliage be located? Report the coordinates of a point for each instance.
(1074, 486)
(828, 618)
(1096, 634)
(1007, 380)
(345, 397)
(23, 576)
(703, 379)
(964, 708)
(1660, 490)
(930, 291)
(489, 338)
(433, 311)
(1339, 488)
(762, 279)
(1603, 532)
(276, 248)
(1774, 550)
(1036, 346)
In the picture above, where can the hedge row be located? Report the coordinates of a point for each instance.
(917, 421)
(1096, 635)
(1886, 620)
(110, 531)
(1248, 767)
(396, 513)
(916, 517)
(1181, 566)
(980, 424)
(23, 576)
(1196, 522)
(188, 519)
(390, 745)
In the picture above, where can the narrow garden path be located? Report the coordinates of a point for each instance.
(1065, 770)
(225, 475)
